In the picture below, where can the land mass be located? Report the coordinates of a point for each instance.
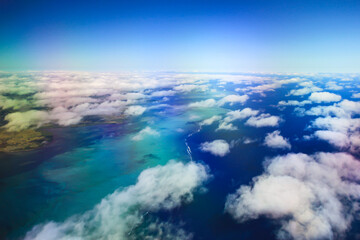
(23, 140)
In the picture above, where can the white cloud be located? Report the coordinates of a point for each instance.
(203, 104)
(238, 115)
(333, 86)
(226, 126)
(148, 131)
(305, 193)
(233, 99)
(163, 93)
(22, 120)
(309, 87)
(190, 87)
(157, 188)
(356, 95)
(340, 132)
(263, 120)
(134, 110)
(294, 103)
(210, 121)
(275, 140)
(343, 109)
(217, 147)
(337, 139)
(319, 97)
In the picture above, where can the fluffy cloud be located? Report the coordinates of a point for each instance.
(313, 197)
(135, 110)
(308, 87)
(239, 115)
(333, 86)
(226, 126)
(356, 95)
(163, 93)
(203, 104)
(210, 121)
(22, 120)
(319, 97)
(340, 132)
(343, 109)
(233, 99)
(275, 140)
(231, 116)
(217, 147)
(158, 188)
(148, 131)
(190, 87)
(263, 120)
(294, 103)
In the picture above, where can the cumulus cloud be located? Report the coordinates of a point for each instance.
(157, 188)
(203, 104)
(22, 120)
(355, 95)
(340, 132)
(210, 121)
(231, 116)
(190, 87)
(333, 86)
(239, 115)
(217, 147)
(226, 126)
(312, 197)
(148, 131)
(275, 140)
(263, 120)
(163, 93)
(233, 99)
(319, 97)
(134, 110)
(294, 103)
(308, 87)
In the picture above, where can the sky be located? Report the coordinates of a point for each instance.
(214, 36)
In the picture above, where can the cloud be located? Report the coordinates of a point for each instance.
(163, 93)
(264, 120)
(275, 140)
(319, 97)
(294, 103)
(356, 95)
(337, 139)
(302, 91)
(343, 109)
(233, 99)
(340, 132)
(203, 104)
(210, 121)
(333, 86)
(135, 110)
(312, 197)
(226, 126)
(190, 87)
(231, 116)
(217, 147)
(239, 115)
(22, 120)
(148, 131)
(157, 188)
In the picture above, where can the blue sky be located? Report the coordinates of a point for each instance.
(237, 36)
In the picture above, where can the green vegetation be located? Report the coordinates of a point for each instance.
(24, 140)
